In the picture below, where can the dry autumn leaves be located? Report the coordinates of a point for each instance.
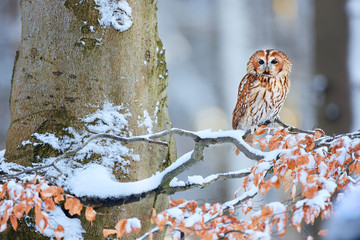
(311, 167)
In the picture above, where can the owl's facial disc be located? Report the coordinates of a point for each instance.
(262, 65)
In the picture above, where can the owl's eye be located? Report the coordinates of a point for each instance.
(274, 61)
(261, 62)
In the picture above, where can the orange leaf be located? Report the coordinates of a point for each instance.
(266, 212)
(264, 187)
(134, 226)
(19, 210)
(120, 228)
(73, 205)
(49, 192)
(176, 202)
(28, 207)
(302, 160)
(247, 206)
(323, 232)
(260, 130)
(160, 221)
(310, 192)
(153, 215)
(318, 133)
(291, 164)
(3, 192)
(273, 145)
(40, 219)
(192, 205)
(59, 232)
(49, 203)
(90, 214)
(310, 144)
(58, 198)
(277, 183)
(357, 168)
(107, 232)
(14, 222)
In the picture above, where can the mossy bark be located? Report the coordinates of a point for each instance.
(64, 70)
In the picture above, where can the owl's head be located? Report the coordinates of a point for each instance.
(269, 62)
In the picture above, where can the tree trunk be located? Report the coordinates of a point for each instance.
(66, 66)
(334, 110)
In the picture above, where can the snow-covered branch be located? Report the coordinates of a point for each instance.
(162, 183)
(82, 146)
(318, 164)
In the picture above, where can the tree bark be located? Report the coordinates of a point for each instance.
(331, 22)
(64, 69)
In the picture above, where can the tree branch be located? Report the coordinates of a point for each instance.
(291, 128)
(164, 187)
(210, 138)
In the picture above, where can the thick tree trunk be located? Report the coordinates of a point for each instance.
(67, 65)
(334, 110)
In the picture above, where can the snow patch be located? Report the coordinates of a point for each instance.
(115, 13)
(72, 226)
(96, 180)
(146, 122)
(108, 153)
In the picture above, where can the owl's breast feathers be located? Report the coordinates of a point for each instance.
(260, 98)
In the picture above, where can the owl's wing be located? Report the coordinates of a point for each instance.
(243, 100)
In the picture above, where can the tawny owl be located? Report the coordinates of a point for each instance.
(263, 89)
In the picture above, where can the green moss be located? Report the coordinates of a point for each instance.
(84, 11)
(88, 45)
(161, 62)
(56, 124)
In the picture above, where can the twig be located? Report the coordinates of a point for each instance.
(72, 152)
(326, 141)
(291, 128)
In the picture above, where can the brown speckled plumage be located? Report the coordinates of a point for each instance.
(263, 89)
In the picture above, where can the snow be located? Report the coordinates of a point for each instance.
(195, 179)
(14, 189)
(175, 213)
(106, 119)
(8, 167)
(277, 207)
(132, 223)
(146, 122)
(238, 134)
(252, 192)
(115, 13)
(49, 138)
(24, 143)
(96, 180)
(176, 183)
(72, 226)
(192, 220)
(346, 219)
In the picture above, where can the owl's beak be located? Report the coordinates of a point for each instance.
(267, 69)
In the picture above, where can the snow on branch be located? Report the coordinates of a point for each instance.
(205, 138)
(312, 166)
(118, 192)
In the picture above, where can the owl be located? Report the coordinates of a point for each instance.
(263, 89)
